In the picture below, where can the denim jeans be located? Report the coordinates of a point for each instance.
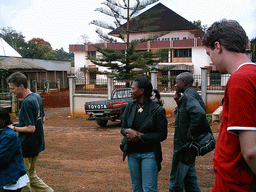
(144, 172)
(183, 176)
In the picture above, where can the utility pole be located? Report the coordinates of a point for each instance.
(127, 27)
(84, 78)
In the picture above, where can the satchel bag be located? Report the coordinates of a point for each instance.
(203, 144)
(125, 141)
(124, 144)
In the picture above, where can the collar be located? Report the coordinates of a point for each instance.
(144, 103)
(249, 63)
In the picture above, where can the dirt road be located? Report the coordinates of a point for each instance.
(82, 157)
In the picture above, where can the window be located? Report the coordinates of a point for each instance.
(164, 55)
(92, 53)
(215, 78)
(182, 53)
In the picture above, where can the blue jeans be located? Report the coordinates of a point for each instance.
(183, 176)
(144, 172)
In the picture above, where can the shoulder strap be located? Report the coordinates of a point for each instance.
(149, 117)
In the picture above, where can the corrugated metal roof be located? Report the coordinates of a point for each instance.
(51, 65)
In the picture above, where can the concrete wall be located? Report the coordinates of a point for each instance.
(80, 99)
(213, 101)
(211, 98)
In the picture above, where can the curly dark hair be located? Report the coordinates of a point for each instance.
(144, 83)
(228, 33)
(5, 118)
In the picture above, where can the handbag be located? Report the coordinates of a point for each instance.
(124, 144)
(203, 144)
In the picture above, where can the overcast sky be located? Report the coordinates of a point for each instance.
(62, 22)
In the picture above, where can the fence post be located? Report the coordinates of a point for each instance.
(58, 84)
(110, 85)
(2, 84)
(14, 104)
(35, 85)
(47, 86)
(71, 80)
(204, 83)
(29, 85)
(154, 78)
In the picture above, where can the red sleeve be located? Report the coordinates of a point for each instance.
(242, 102)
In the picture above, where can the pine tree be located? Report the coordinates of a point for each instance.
(122, 12)
(132, 63)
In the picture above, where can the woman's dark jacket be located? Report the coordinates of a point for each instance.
(154, 131)
(191, 119)
(11, 160)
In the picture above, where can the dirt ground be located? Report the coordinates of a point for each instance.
(80, 156)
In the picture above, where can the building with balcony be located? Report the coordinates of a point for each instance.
(178, 37)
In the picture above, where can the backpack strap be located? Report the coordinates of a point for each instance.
(150, 116)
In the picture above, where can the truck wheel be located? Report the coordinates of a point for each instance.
(102, 123)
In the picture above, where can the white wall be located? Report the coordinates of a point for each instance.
(175, 34)
(172, 34)
(199, 59)
(80, 99)
(79, 60)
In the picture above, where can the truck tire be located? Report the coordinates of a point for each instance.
(102, 123)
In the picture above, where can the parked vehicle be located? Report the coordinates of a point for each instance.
(113, 109)
(105, 110)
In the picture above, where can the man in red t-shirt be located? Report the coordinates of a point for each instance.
(235, 154)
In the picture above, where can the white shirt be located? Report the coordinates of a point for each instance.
(22, 181)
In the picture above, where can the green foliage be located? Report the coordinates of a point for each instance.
(62, 55)
(38, 51)
(209, 118)
(198, 23)
(36, 48)
(50, 55)
(13, 38)
(102, 85)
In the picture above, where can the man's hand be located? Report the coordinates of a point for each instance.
(25, 129)
(12, 126)
(177, 97)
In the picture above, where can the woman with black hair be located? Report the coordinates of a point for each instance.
(156, 96)
(13, 175)
(145, 125)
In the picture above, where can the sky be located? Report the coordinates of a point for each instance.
(62, 22)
